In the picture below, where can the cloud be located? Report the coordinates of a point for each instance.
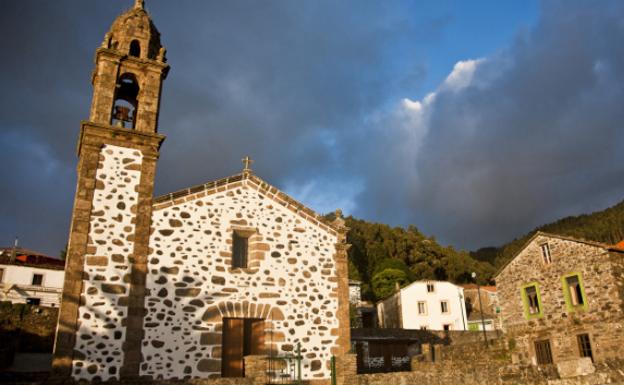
(321, 95)
(517, 139)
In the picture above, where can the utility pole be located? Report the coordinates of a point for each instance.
(474, 276)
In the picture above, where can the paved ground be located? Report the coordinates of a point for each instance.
(32, 362)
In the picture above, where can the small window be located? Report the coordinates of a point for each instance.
(573, 292)
(33, 301)
(531, 300)
(444, 306)
(37, 279)
(1, 275)
(239, 250)
(546, 253)
(584, 346)
(422, 307)
(424, 327)
(135, 48)
(543, 353)
(448, 327)
(430, 288)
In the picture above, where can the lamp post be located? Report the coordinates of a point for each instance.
(474, 276)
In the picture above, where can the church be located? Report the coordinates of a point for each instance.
(188, 284)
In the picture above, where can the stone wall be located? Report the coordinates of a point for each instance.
(602, 317)
(291, 282)
(103, 309)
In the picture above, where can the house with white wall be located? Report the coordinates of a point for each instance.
(30, 277)
(425, 305)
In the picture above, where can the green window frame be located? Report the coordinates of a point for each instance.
(525, 301)
(567, 295)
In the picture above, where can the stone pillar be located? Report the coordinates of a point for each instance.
(74, 263)
(256, 369)
(426, 352)
(342, 276)
(437, 353)
(346, 369)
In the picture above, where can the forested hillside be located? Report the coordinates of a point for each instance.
(381, 255)
(605, 226)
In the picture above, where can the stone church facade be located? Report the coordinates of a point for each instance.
(185, 285)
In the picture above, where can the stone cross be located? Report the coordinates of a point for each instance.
(247, 161)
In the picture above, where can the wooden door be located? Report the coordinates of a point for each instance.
(241, 337)
(232, 350)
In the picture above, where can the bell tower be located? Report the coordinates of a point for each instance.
(101, 316)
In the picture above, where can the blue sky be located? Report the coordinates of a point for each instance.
(475, 121)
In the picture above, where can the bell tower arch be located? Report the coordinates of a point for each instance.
(102, 308)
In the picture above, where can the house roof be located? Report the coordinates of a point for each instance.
(559, 236)
(248, 179)
(29, 258)
(618, 246)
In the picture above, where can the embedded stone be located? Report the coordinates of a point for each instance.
(97, 261)
(209, 365)
(218, 280)
(113, 289)
(175, 223)
(210, 339)
(188, 292)
(170, 270)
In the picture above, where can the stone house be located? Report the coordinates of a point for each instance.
(563, 299)
(187, 284)
(30, 277)
(425, 305)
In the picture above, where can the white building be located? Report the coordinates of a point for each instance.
(30, 277)
(427, 305)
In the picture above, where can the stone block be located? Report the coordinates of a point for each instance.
(576, 367)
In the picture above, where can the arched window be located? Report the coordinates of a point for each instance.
(126, 101)
(135, 48)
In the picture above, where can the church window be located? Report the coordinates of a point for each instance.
(239, 250)
(135, 48)
(126, 101)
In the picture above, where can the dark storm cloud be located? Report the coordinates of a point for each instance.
(536, 135)
(248, 78)
(311, 90)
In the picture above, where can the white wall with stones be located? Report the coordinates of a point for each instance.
(98, 351)
(291, 278)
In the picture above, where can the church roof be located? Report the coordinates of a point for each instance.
(250, 180)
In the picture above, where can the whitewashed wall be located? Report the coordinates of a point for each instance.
(101, 334)
(434, 319)
(190, 278)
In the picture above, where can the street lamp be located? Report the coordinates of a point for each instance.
(474, 276)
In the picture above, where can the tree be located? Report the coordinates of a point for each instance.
(385, 282)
